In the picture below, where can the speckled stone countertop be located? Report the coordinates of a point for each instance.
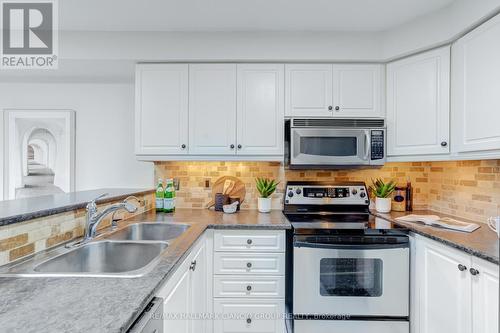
(84, 304)
(482, 243)
(19, 210)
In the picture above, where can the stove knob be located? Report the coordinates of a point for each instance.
(362, 194)
(298, 191)
(354, 191)
(290, 194)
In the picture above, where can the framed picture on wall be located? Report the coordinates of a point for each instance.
(39, 152)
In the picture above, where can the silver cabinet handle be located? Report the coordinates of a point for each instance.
(249, 264)
(474, 271)
(444, 144)
(330, 108)
(337, 108)
(193, 265)
(249, 241)
(231, 146)
(462, 268)
(183, 146)
(249, 288)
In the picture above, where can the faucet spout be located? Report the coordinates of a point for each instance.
(94, 218)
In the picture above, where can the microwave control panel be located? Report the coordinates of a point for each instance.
(377, 144)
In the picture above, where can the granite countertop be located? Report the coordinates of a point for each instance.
(19, 210)
(85, 304)
(482, 243)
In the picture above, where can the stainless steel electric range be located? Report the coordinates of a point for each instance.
(350, 270)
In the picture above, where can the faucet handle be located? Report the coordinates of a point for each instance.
(91, 206)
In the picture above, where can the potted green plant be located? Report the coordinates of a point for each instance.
(382, 192)
(266, 188)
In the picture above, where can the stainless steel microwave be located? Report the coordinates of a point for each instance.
(316, 143)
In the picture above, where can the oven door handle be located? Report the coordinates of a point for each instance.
(379, 246)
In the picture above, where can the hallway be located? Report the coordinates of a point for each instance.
(39, 181)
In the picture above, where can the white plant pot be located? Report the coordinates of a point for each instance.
(383, 205)
(264, 205)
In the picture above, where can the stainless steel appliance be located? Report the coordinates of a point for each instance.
(350, 270)
(151, 319)
(335, 143)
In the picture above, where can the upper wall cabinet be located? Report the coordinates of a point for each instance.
(319, 90)
(418, 112)
(260, 109)
(212, 109)
(476, 89)
(161, 117)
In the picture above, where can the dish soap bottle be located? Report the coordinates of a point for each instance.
(169, 197)
(159, 196)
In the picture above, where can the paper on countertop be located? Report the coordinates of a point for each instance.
(445, 222)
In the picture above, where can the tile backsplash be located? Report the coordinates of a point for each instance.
(470, 189)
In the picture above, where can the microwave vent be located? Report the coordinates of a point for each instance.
(329, 122)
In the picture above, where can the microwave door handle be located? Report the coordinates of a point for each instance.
(367, 146)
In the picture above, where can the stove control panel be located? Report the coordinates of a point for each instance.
(355, 194)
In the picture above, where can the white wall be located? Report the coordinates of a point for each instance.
(104, 129)
(435, 29)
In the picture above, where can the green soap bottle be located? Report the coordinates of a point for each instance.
(159, 196)
(169, 197)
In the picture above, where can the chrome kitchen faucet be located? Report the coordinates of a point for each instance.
(94, 217)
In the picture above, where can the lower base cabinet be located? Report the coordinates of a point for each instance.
(246, 315)
(186, 295)
(454, 291)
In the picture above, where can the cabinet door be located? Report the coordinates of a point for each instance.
(161, 110)
(212, 109)
(418, 112)
(444, 290)
(260, 113)
(177, 304)
(485, 297)
(308, 90)
(475, 89)
(199, 290)
(357, 90)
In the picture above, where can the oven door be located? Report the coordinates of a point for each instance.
(323, 147)
(352, 280)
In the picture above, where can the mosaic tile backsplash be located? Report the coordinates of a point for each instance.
(22, 239)
(469, 189)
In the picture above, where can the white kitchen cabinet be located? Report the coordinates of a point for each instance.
(260, 109)
(418, 113)
(475, 89)
(447, 296)
(252, 316)
(187, 293)
(357, 90)
(161, 111)
(485, 297)
(325, 90)
(249, 280)
(212, 109)
(309, 90)
(177, 304)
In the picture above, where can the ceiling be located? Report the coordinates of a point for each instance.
(242, 15)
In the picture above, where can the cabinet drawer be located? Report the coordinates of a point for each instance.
(249, 263)
(250, 240)
(249, 286)
(244, 315)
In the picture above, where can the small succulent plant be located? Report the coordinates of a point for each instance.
(380, 189)
(266, 187)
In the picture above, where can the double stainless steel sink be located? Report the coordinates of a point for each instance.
(129, 252)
